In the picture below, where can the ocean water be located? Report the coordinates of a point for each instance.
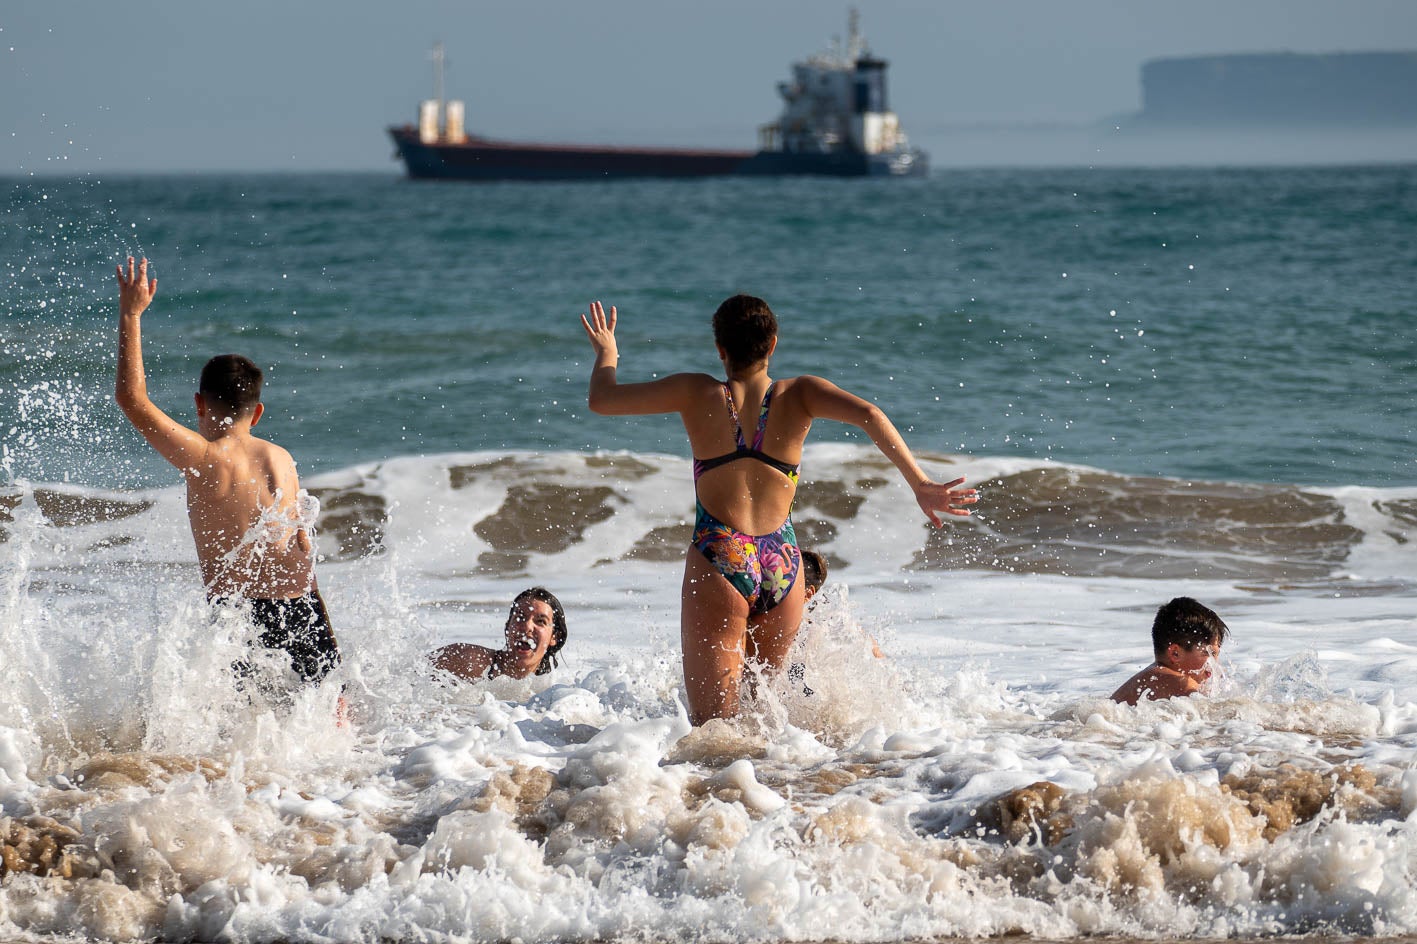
(1164, 382)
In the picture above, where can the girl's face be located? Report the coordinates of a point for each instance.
(530, 630)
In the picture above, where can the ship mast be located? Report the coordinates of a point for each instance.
(853, 35)
(437, 58)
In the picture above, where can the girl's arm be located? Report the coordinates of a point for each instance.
(825, 400)
(610, 397)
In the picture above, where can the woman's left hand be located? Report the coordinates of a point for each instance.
(600, 328)
(934, 498)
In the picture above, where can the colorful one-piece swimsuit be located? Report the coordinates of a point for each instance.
(762, 567)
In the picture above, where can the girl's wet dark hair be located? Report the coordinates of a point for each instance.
(232, 384)
(558, 634)
(744, 326)
(1187, 623)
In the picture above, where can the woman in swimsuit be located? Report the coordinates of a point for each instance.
(741, 596)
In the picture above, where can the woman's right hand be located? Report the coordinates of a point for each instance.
(601, 331)
(934, 498)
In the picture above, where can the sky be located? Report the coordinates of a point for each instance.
(306, 85)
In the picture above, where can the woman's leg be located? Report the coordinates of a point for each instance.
(712, 624)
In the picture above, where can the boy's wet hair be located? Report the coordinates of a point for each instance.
(814, 570)
(231, 384)
(744, 327)
(1187, 623)
(558, 633)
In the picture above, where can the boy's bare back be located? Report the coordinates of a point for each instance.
(1156, 682)
(243, 494)
(243, 504)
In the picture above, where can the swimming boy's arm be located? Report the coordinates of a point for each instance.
(825, 400)
(176, 443)
(609, 397)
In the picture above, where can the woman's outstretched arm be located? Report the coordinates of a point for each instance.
(825, 400)
(610, 397)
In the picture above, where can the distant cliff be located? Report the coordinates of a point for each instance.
(1370, 89)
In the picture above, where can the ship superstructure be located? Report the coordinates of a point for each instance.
(835, 121)
(836, 114)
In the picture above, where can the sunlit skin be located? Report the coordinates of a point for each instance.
(234, 479)
(530, 631)
(716, 630)
(1179, 672)
(242, 491)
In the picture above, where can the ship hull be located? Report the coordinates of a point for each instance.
(483, 159)
(847, 164)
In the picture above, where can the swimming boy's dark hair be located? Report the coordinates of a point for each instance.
(1188, 624)
(744, 327)
(231, 384)
(814, 569)
(558, 633)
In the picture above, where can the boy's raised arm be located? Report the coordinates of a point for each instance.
(176, 443)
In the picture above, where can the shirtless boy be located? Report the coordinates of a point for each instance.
(243, 496)
(1185, 636)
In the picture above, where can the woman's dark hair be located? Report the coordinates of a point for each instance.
(232, 384)
(558, 634)
(744, 327)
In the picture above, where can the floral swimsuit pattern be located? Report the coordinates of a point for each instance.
(761, 567)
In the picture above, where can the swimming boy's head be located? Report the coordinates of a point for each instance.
(814, 573)
(1189, 626)
(558, 623)
(231, 388)
(744, 330)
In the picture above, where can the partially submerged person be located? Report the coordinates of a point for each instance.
(250, 520)
(535, 633)
(1185, 637)
(741, 599)
(814, 574)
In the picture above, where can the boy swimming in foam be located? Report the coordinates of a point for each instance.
(1185, 637)
(249, 518)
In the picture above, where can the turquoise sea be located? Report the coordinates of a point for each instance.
(1166, 382)
(1236, 324)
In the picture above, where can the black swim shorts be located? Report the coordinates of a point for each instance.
(301, 627)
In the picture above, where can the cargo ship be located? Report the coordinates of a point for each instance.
(835, 121)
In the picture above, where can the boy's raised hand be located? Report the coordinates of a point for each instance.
(600, 328)
(135, 290)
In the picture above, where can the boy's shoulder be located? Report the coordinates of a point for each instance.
(1152, 683)
(239, 450)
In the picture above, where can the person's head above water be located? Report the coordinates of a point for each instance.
(814, 572)
(230, 388)
(535, 631)
(1188, 625)
(745, 331)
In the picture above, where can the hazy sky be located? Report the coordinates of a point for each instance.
(312, 84)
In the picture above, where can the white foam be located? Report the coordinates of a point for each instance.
(581, 805)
